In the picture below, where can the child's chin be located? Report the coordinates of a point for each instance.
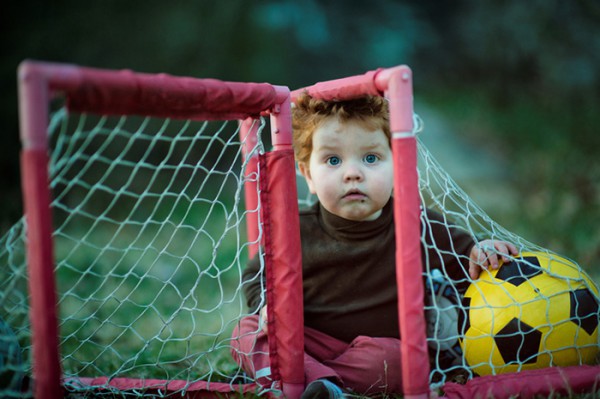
(361, 216)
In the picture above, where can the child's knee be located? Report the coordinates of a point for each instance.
(245, 334)
(375, 365)
(250, 349)
(383, 351)
(246, 325)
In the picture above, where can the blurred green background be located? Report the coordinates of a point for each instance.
(508, 90)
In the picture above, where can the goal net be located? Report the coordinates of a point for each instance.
(154, 218)
(538, 310)
(149, 243)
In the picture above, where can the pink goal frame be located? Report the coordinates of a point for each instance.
(126, 92)
(396, 85)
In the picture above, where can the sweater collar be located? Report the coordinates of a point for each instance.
(341, 228)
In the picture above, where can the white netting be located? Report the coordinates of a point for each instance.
(14, 316)
(539, 310)
(150, 243)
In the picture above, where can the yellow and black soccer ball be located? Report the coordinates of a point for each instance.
(536, 311)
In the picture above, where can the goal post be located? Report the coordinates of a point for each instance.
(248, 135)
(119, 94)
(396, 84)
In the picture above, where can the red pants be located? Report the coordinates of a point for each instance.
(367, 365)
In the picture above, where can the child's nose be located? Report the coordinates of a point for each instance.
(353, 173)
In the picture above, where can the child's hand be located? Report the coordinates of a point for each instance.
(485, 254)
(263, 319)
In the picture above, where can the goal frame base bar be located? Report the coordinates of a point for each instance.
(529, 383)
(183, 389)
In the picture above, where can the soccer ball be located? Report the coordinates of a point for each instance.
(536, 311)
(441, 311)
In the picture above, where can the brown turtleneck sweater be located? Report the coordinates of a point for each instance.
(349, 274)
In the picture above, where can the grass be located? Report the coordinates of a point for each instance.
(153, 307)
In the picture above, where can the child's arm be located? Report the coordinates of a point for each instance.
(485, 254)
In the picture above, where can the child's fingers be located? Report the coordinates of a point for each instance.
(474, 270)
(488, 254)
(505, 249)
(513, 248)
(479, 257)
(477, 262)
(492, 259)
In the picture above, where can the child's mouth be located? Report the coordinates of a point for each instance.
(355, 195)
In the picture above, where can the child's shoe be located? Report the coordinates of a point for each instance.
(323, 389)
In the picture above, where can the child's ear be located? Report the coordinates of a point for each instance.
(303, 168)
(305, 171)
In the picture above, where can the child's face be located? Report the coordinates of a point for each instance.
(350, 170)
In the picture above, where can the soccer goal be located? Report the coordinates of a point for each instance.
(144, 197)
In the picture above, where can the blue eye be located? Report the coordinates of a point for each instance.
(371, 158)
(334, 161)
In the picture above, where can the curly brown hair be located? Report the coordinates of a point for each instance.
(371, 112)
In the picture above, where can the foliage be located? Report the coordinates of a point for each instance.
(549, 150)
(523, 71)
